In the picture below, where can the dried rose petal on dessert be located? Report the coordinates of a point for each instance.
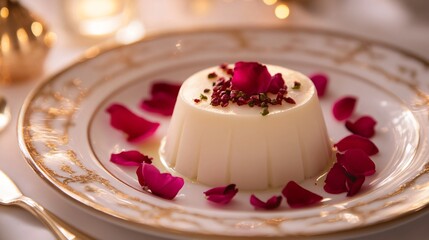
(320, 81)
(251, 78)
(130, 158)
(163, 98)
(354, 184)
(335, 181)
(357, 163)
(364, 126)
(277, 82)
(271, 203)
(160, 184)
(221, 195)
(137, 128)
(297, 196)
(343, 108)
(357, 142)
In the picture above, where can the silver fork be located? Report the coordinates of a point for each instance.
(11, 195)
(4, 113)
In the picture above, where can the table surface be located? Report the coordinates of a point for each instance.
(398, 26)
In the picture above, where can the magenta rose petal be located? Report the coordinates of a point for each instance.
(160, 184)
(335, 181)
(364, 126)
(221, 195)
(163, 98)
(320, 81)
(140, 176)
(343, 108)
(160, 103)
(170, 89)
(357, 163)
(355, 141)
(297, 196)
(251, 78)
(130, 158)
(277, 82)
(354, 185)
(137, 128)
(271, 203)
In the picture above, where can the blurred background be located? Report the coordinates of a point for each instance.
(79, 24)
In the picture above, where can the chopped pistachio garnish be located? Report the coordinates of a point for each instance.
(212, 75)
(240, 94)
(265, 111)
(262, 96)
(296, 85)
(203, 97)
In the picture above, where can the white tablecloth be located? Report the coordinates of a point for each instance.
(396, 26)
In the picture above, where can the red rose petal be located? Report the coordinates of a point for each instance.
(354, 185)
(140, 176)
(137, 128)
(335, 181)
(221, 195)
(356, 141)
(297, 196)
(160, 184)
(357, 163)
(160, 103)
(251, 78)
(277, 82)
(364, 126)
(343, 108)
(271, 203)
(130, 158)
(164, 87)
(320, 81)
(163, 98)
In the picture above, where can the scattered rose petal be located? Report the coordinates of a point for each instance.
(140, 176)
(221, 195)
(335, 181)
(164, 87)
(339, 181)
(251, 78)
(271, 203)
(160, 103)
(320, 81)
(163, 98)
(137, 128)
(343, 108)
(354, 185)
(357, 163)
(297, 196)
(355, 141)
(160, 184)
(277, 82)
(364, 126)
(130, 158)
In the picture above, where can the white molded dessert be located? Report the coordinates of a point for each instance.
(217, 145)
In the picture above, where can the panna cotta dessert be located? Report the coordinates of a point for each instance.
(257, 126)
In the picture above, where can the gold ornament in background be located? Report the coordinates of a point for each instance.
(24, 43)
